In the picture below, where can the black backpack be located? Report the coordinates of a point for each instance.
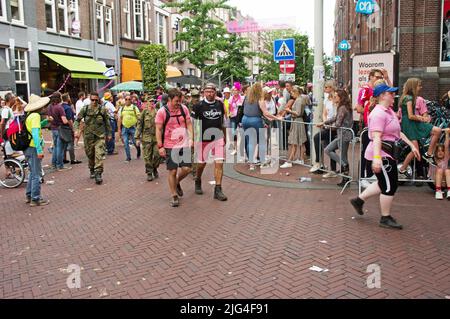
(168, 116)
(18, 135)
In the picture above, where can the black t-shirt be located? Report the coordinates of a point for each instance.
(211, 117)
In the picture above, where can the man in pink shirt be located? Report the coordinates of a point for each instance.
(174, 136)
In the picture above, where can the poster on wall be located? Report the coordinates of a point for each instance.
(362, 64)
(445, 52)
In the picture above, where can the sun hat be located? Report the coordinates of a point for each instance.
(107, 96)
(267, 89)
(226, 90)
(36, 103)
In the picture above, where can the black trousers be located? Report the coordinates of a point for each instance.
(366, 167)
(388, 177)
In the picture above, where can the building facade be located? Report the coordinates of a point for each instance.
(412, 28)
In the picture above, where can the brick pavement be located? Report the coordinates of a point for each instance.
(259, 244)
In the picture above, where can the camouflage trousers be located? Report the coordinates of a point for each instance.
(95, 151)
(151, 156)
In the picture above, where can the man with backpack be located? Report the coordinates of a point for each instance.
(110, 108)
(211, 114)
(128, 118)
(96, 126)
(34, 153)
(174, 137)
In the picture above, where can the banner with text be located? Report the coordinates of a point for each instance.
(362, 65)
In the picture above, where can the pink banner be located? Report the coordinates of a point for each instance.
(250, 25)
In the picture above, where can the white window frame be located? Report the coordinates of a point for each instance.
(74, 8)
(53, 5)
(21, 21)
(146, 22)
(108, 25)
(63, 6)
(127, 12)
(100, 24)
(141, 20)
(160, 12)
(3, 17)
(18, 64)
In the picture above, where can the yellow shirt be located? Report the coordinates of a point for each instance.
(129, 115)
(34, 121)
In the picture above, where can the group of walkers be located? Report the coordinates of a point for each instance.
(186, 129)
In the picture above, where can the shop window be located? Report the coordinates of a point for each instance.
(100, 26)
(16, 11)
(138, 20)
(108, 25)
(128, 19)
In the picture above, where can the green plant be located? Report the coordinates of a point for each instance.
(153, 58)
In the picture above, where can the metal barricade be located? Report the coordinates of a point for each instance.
(317, 145)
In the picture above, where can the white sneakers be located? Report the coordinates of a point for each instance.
(286, 165)
(330, 175)
(440, 196)
(298, 162)
(315, 168)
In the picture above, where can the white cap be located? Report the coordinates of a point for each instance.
(226, 90)
(267, 89)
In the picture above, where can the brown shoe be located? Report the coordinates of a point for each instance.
(41, 202)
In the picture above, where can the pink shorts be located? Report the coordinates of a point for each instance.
(213, 151)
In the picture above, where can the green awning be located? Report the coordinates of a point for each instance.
(85, 68)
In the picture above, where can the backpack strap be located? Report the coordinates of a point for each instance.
(167, 119)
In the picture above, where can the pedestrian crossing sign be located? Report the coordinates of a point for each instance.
(284, 49)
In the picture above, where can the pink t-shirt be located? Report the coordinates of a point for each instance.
(364, 96)
(385, 121)
(176, 134)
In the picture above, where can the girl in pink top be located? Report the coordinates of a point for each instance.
(383, 127)
(442, 169)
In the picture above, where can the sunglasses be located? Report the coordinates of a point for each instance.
(94, 100)
(380, 77)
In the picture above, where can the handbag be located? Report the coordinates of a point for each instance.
(393, 149)
(65, 134)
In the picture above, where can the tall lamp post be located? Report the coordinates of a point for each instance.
(319, 71)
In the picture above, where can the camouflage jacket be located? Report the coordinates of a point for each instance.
(146, 127)
(96, 122)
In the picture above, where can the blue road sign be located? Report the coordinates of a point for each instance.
(284, 49)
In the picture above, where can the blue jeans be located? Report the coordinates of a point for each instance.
(110, 145)
(34, 178)
(58, 150)
(253, 137)
(127, 135)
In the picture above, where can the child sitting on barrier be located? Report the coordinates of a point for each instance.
(442, 173)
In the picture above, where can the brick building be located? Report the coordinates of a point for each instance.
(413, 28)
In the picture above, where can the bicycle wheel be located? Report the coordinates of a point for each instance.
(12, 173)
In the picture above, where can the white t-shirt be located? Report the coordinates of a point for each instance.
(270, 106)
(110, 108)
(329, 107)
(8, 115)
(78, 106)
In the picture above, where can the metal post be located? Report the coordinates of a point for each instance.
(319, 71)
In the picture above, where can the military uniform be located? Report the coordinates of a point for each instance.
(146, 132)
(96, 127)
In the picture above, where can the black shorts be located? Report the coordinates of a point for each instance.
(388, 177)
(178, 157)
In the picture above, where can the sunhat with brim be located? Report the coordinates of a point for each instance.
(36, 103)
(382, 88)
(267, 89)
(226, 90)
(107, 96)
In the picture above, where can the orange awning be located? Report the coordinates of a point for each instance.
(131, 70)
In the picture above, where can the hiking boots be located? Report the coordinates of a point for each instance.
(175, 202)
(198, 186)
(92, 174)
(358, 205)
(155, 174)
(218, 194)
(98, 178)
(150, 177)
(389, 222)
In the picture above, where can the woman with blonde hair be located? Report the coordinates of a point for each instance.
(414, 126)
(297, 134)
(254, 108)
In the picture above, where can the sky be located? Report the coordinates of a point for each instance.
(302, 11)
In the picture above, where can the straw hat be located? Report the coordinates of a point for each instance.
(107, 96)
(36, 103)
